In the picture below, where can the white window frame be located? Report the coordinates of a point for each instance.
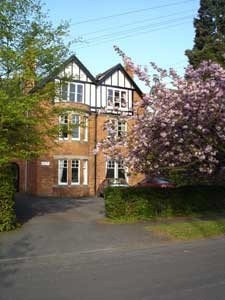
(76, 160)
(117, 125)
(72, 123)
(120, 91)
(85, 172)
(62, 122)
(116, 169)
(85, 128)
(69, 84)
(60, 167)
(122, 125)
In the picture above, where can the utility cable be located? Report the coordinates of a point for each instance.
(130, 12)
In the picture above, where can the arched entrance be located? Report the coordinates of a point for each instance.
(16, 175)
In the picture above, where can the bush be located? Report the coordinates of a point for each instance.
(7, 191)
(145, 203)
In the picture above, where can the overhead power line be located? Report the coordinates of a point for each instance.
(134, 23)
(131, 35)
(136, 29)
(130, 12)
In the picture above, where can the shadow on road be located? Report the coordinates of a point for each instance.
(28, 207)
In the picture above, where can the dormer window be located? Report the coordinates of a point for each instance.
(72, 92)
(116, 98)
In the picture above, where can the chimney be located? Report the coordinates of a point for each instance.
(129, 70)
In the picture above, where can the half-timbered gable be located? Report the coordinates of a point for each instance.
(78, 84)
(72, 168)
(115, 89)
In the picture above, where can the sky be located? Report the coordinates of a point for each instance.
(158, 31)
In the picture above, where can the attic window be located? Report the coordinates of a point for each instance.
(72, 92)
(116, 98)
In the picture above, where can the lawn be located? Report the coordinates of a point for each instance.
(196, 229)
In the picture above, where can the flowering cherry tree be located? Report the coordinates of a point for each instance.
(177, 127)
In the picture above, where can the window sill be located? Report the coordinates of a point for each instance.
(69, 101)
(72, 186)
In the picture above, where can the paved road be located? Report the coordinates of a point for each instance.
(70, 255)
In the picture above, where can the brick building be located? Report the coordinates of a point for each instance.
(71, 168)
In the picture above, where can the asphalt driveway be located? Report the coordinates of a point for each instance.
(53, 226)
(64, 251)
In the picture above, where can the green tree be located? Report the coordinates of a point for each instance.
(30, 49)
(209, 42)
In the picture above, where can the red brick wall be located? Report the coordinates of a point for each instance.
(43, 179)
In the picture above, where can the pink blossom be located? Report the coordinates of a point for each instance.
(182, 126)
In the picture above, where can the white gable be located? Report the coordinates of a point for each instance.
(74, 71)
(119, 79)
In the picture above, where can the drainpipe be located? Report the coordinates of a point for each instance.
(25, 177)
(95, 156)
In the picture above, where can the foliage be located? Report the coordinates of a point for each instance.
(209, 42)
(190, 230)
(7, 211)
(181, 127)
(147, 203)
(30, 48)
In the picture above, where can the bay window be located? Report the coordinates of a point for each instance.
(69, 127)
(75, 127)
(85, 129)
(63, 127)
(72, 92)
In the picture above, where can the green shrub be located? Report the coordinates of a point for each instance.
(145, 203)
(7, 191)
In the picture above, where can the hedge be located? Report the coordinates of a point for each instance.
(7, 191)
(147, 203)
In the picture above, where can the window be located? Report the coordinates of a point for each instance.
(80, 93)
(121, 128)
(115, 170)
(110, 169)
(121, 170)
(85, 129)
(110, 97)
(116, 98)
(69, 127)
(72, 92)
(62, 172)
(85, 172)
(75, 127)
(63, 127)
(75, 168)
(69, 172)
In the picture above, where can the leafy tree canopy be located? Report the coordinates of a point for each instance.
(30, 48)
(209, 42)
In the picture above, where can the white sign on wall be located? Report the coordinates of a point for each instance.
(45, 163)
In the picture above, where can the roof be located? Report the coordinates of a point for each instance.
(107, 73)
(55, 73)
(98, 80)
(103, 76)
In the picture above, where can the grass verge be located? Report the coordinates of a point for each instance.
(198, 229)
